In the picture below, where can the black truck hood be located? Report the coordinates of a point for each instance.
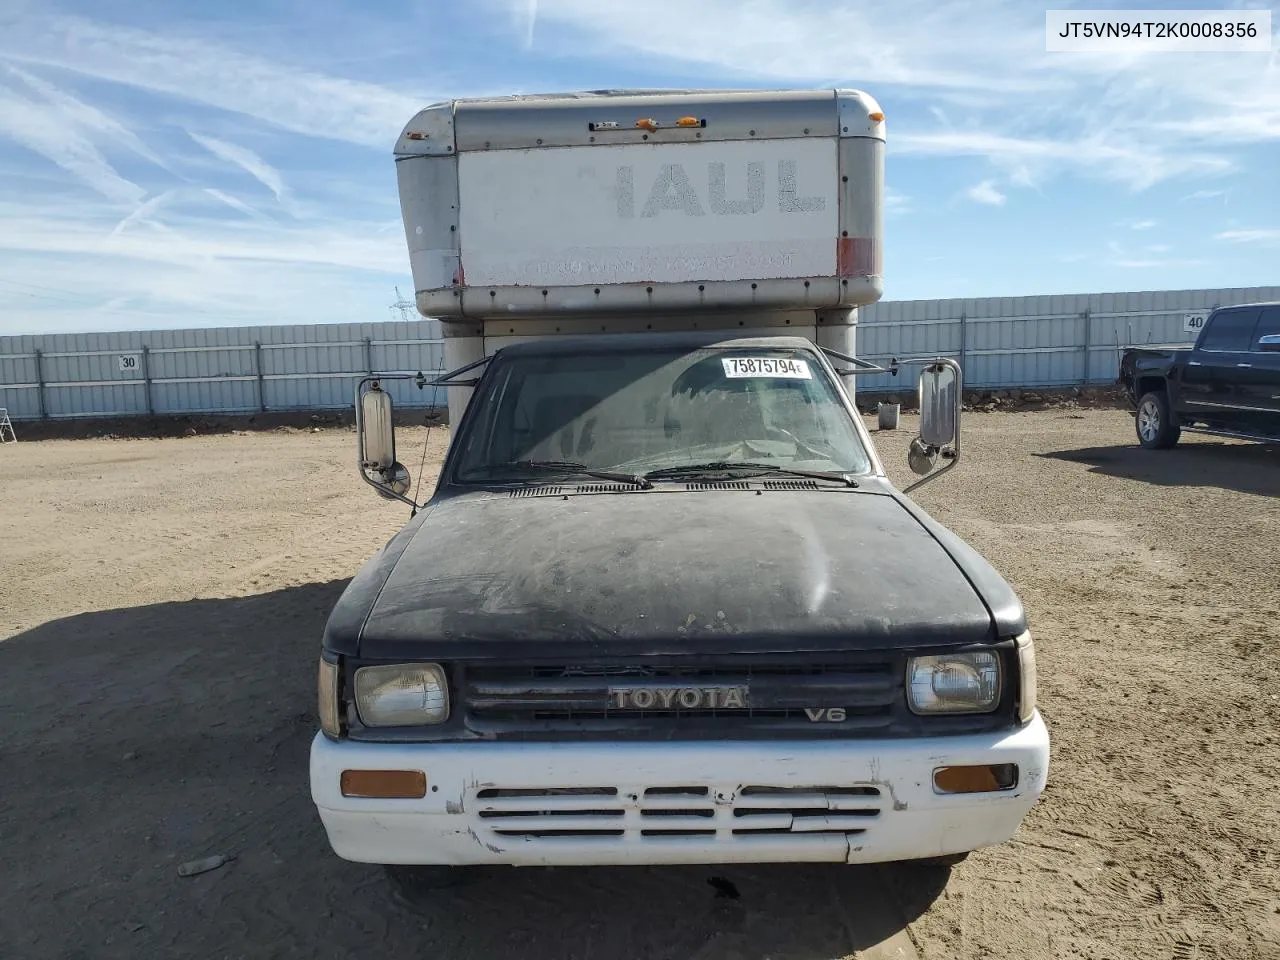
(670, 572)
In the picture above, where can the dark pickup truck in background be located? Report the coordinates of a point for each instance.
(1227, 383)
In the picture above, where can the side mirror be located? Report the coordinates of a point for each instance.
(938, 406)
(940, 395)
(376, 435)
(1270, 343)
(921, 457)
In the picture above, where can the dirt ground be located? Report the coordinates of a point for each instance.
(161, 612)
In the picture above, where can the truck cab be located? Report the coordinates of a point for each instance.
(664, 604)
(1226, 384)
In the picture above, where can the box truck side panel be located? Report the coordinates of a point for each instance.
(429, 208)
(659, 213)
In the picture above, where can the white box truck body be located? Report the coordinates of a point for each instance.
(633, 211)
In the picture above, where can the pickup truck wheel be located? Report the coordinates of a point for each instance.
(1155, 422)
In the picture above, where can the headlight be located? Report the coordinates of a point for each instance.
(1027, 672)
(954, 683)
(327, 698)
(402, 695)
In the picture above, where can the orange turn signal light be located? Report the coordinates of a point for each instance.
(647, 124)
(877, 116)
(384, 784)
(978, 779)
(688, 122)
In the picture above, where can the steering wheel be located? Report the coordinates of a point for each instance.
(801, 447)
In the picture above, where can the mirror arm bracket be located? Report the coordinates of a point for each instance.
(861, 366)
(446, 379)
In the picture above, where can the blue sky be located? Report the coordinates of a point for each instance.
(202, 164)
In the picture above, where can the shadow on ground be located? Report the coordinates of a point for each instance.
(139, 739)
(1243, 467)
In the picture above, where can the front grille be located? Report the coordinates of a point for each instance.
(645, 813)
(672, 699)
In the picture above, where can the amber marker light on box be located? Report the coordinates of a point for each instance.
(384, 784)
(986, 778)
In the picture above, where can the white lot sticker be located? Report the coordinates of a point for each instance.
(766, 367)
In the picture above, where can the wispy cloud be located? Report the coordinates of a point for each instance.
(1159, 264)
(986, 192)
(1127, 260)
(529, 20)
(303, 101)
(76, 113)
(232, 202)
(1133, 165)
(1266, 236)
(142, 214)
(916, 43)
(895, 202)
(245, 159)
(347, 244)
(48, 126)
(1207, 195)
(1139, 224)
(199, 268)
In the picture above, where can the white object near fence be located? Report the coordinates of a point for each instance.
(888, 415)
(6, 428)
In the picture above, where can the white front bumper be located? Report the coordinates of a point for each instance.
(689, 802)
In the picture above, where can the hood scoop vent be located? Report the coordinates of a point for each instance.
(537, 492)
(607, 487)
(719, 485)
(791, 484)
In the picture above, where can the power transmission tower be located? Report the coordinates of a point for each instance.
(403, 305)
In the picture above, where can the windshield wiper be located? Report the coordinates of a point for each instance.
(568, 467)
(729, 466)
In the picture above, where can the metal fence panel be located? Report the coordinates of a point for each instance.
(96, 400)
(172, 364)
(22, 401)
(299, 359)
(310, 393)
(208, 396)
(19, 368)
(1001, 342)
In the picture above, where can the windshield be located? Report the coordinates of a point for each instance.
(638, 412)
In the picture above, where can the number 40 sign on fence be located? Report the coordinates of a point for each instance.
(1194, 322)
